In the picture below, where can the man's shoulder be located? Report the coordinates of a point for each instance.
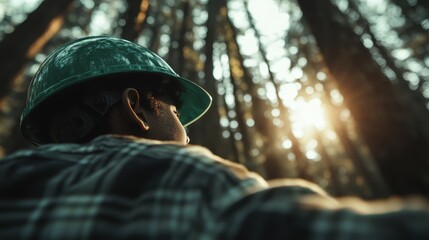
(124, 152)
(113, 147)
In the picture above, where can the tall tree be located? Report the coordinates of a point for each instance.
(28, 38)
(135, 19)
(389, 121)
(17, 50)
(264, 130)
(237, 73)
(210, 121)
(302, 161)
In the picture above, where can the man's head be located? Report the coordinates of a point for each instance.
(100, 85)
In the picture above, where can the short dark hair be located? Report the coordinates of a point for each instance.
(81, 119)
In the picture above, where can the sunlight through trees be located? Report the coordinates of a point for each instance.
(335, 92)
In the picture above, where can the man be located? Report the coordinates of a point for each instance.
(114, 164)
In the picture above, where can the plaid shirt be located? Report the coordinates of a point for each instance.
(124, 188)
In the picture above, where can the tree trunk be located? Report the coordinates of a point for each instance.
(234, 56)
(177, 52)
(273, 162)
(386, 120)
(135, 18)
(29, 37)
(209, 123)
(301, 160)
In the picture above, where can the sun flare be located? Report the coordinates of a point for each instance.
(307, 116)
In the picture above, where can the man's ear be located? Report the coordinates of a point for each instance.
(131, 102)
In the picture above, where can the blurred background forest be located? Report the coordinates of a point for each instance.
(335, 92)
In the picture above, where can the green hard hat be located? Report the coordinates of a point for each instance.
(93, 57)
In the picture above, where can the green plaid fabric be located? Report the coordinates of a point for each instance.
(124, 188)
